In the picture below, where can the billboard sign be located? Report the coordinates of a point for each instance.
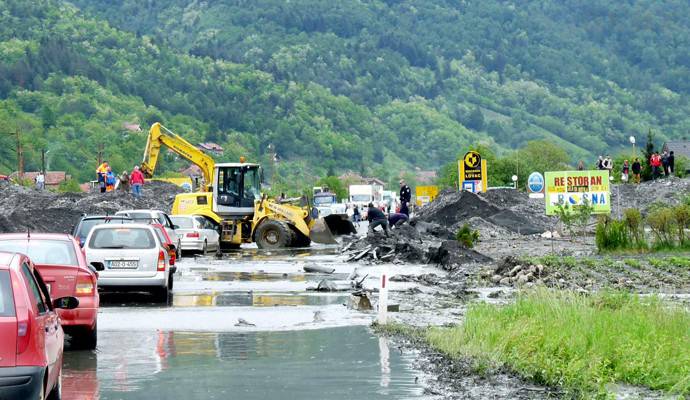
(574, 188)
(472, 172)
(425, 194)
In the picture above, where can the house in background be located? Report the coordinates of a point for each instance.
(679, 148)
(211, 148)
(53, 178)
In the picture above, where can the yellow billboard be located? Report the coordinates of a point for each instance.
(425, 194)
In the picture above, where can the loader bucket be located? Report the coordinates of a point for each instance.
(326, 229)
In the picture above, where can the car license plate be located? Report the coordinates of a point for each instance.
(124, 264)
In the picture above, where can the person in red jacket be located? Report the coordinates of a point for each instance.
(136, 179)
(655, 163)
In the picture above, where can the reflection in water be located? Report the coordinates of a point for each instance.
(239, 299)
(338, 363)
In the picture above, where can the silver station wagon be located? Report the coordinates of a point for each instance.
(133, 257)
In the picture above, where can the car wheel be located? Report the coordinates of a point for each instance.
(56, 393)
(170, 282)
(161, 294)
(42, 393)
(204, 250)
(89, 339)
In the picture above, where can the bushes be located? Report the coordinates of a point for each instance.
(69, 186)
(467, 236)
(667, 224)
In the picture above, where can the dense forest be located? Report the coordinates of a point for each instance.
(371, 86)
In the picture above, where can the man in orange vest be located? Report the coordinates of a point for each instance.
(101, 171)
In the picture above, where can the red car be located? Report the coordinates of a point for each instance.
(31, 337)
(172, 250)
(62, 264)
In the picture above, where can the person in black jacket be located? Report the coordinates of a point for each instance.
(636, 170)
(376, 218)
(405, 196)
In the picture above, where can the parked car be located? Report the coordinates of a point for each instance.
(133, 257)
(197, 232)
(155, 216)
(167, 243)
(64, 269)
(87, 222)
(31, 337)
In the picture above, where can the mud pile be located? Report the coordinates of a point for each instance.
(24, 208)
(494, 213)
(669, 191)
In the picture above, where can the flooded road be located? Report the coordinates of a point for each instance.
(242, 327)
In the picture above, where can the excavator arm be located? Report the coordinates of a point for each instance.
(161, 136)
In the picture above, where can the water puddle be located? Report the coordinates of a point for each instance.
(342, 363)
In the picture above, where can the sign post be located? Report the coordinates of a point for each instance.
(574, 188)
(472, 173)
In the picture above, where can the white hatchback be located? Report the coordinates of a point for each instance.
(132, 256)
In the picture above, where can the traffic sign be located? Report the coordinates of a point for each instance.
(535, 182)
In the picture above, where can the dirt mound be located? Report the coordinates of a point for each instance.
(506, 209)
(669, 191)
(24, 208)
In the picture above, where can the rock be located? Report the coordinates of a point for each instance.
(515, 270)
(326, 286)
(243, 322)
(318, 269)
(496, 294)
(496, 278)
(359, 301)
(394, 308)
(522, 279)
(504, 282)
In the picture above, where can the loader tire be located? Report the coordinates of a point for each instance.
(272, 234)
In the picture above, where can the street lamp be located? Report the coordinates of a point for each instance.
(632, 141)
(514, 178)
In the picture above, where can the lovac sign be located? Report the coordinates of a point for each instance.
(574, 188)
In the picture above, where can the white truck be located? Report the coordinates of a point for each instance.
(362, 195)
(327, 203)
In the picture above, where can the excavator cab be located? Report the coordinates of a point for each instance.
(237, 188)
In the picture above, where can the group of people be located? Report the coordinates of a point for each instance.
(376, 217)
(662, 163)
(108, 181)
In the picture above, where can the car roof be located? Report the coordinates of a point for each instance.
(105, 216)
(5, 260)
(41, 236)
(120, 226)
(185, 216)
(139, 211)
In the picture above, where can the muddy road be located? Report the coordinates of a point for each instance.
(244, 327)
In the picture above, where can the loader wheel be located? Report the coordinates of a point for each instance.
(273, 234)
(298, 238)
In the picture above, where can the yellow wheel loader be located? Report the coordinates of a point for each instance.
(231, 196)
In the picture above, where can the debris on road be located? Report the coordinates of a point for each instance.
(243, 322)
(318, 269)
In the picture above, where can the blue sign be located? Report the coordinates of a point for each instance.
(535, 182)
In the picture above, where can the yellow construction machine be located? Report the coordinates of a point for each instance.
(231, 196)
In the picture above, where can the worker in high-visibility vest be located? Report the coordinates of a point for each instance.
(101, 171)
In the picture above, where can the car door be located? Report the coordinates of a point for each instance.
(211, 233)
(48, 335)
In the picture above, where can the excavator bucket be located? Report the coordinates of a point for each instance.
(326, 229)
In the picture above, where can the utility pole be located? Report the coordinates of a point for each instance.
(99, 159)
(20, 155)
(43, 161)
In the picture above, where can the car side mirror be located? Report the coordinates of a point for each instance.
(66, 303)
(98, 265)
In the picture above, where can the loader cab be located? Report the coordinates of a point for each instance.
(237, 186)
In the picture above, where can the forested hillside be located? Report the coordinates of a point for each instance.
(365, 85)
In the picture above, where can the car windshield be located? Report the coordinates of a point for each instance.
(361, 197)
(43, 251)
(183, 222)
(323, 200)
(87, 225)
(6, 298)
(122, 238)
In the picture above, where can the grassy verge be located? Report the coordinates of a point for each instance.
(580, 343)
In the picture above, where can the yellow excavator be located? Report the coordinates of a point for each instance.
(231, 195)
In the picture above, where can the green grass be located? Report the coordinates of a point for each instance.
(580, 343)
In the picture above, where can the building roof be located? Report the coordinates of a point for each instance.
(192, 170)
(209, 146)
(678, 147)
(132, 127)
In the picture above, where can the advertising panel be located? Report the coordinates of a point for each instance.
(574, 188)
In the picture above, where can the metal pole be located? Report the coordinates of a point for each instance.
(43, 161)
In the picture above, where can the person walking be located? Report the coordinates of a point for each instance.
(664, 163)
(636, 170)
(124, 182)
(600, 163)
(136, 179)
(356, 215)
(671, 163)
(608, 164)
(405, 196)
(110, 180)
(40, 181)
(655, 162)
(625, 172)
(580, 165)
(377, 218)
(101, 171)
